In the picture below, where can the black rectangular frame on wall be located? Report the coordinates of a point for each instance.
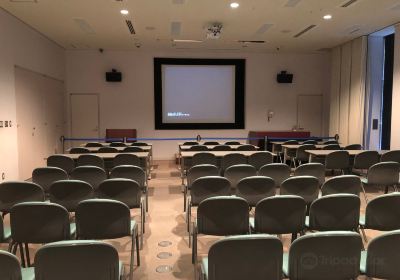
(240, 70)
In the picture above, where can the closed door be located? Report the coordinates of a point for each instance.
(84, 116)
(309, 113)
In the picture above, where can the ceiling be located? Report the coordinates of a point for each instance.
(94, 24)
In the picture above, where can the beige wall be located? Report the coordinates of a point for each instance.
(395, 136)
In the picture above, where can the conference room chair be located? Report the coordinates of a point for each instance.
(364, 160)
(91, 174)
(132, 149)
(117, 144)
(301, 155)
(237, 172)
(14, 192)
(260, 159)
(255, 257)
(78, 260)
(204, 158)
(279, 149)
(334, 212)
(391, 156)
(108, 150)
(255, 188)
(79, 150)
(126, 159)
(305, 186)
(195, 148)
(350, 184)
(140, 144)
(45, 176)
(246, 148)
(68, 193)
(134, 173)
(380, 260)
(311, 169)
(5, 232)
(277, 171)
(203, 188)
(90, 160)
(222, 148)
(284, 214)
(382, 213)
(211, 143)
(332, 147)
(220, 216)
(126, 191)
(190, 143)
(312, 142)
(38, 223)
(100, 219)
(194, 173)
(233, 143)
(383, 174)
(93, 145)
(328, 255)
(338, 160)
(353, 147)
(329, 142)
(11, 268)
(65, 163)
(232, 159)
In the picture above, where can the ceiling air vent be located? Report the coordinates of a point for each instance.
(348, 3)
(304, 31)
(130, 27)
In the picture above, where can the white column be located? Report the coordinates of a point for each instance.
(395, 134)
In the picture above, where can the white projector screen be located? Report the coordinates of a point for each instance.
(199, 93)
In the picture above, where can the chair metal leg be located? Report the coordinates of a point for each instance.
(294, 237)
(194, 245)
(147, 199)
(137, 249)
(10, 246)
(142, 226)
(364, 235)
(14, 248)
(21, 251)
(28, 259)
(364, 192)
(132, 256)
(184, 198)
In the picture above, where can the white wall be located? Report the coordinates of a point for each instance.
(130, 104)
(22, 46)
(395, 135)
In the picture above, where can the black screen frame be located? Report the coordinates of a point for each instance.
(240, 70)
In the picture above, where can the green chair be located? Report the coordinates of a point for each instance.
(237, 172)
(10, 269)
(45, 176)
(69, 193)
(65, 163)
(91, 174)
(90, 160)
(277, 171)
(342, 184)
(5, 232)
(305, 186)
(311, 169)
(259, 159)
(255, 188)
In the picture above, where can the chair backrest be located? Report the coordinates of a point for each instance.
(350, 184)
(124, 190)
(126, 159)
(13, 192)
(90, 160)
(91, 174)
(237, 172)
(222, 216)
(190, 143)
(79, 150)
(290, 142)
(45, 176)
(335, 212)
(65, 163)
(10, 267)
(391, 156)
(366, 159)
(337, 160)
(301, 154)
(117, 144)
(329, 142)
(102, 219)
(77, 259)
(232, 159)
(201, 170)
(332, 147)
(311, 169)
(204, 158)
(198, 148)
(222, 148)
(133, 149)
(353, 147)
(325, 255)
(305, 186)
(108, 150)
(384, 174)
(232, 143)
(255, 257)
(246, 148)
(94, 144)
(209, 186)
(69, 193)
(129, 172)
(383, 212)
(39, 222)
(211, 143)
(313, 142)
(255, 188)
(260, 159)
(382, 256)
(138, 144)
(277, 171)
(280, 215)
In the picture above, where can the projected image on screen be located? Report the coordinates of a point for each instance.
(199, 93)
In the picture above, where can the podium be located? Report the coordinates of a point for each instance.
(276, 134)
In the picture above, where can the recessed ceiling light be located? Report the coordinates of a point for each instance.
(327, 17)
(124, 12)
(234, 5)
(187, 41)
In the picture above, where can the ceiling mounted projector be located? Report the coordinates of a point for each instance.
(214, 30)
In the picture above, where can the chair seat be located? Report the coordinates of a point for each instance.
(251, 222)
(364, 180)
(7, 233)
(28, 273)
(72, 230)
(204, 265)
(362, 220)
(307, 222)
(363, 262)
(285, 264)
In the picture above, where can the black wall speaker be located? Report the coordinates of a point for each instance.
(284, 78)
(113, 76)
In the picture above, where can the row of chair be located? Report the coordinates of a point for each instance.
(211, 143)
(328, 255)
(116, 144)
(225, 147)
(82, 150)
